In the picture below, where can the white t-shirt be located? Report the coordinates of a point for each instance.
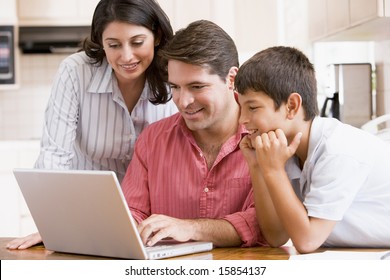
(346, 178)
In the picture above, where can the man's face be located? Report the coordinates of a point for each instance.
(201, 97)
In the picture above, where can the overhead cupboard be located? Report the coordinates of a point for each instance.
(362, 20)
(55, 13)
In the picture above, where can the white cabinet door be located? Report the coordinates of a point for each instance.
(15, 218)
(54, 12)
(363, 10)
(8, 12)
(317, 18)
(337, 15)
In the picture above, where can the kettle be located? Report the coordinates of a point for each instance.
(334, 107)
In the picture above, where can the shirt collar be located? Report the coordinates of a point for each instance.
(104, 79)
(233, 141)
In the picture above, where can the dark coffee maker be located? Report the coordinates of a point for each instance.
(334, 107)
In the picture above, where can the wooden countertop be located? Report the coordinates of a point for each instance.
(255, 253)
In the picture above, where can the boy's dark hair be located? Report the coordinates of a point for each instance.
(203, 43)
(146, 13)
(278, 72)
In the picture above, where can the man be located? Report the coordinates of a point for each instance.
(188, 179)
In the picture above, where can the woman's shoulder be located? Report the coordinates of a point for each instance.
(77, 59)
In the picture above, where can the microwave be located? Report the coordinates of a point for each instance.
(7, 55)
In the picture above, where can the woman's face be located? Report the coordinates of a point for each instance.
(129, 49)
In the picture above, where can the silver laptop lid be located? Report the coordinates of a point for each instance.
(84, 213)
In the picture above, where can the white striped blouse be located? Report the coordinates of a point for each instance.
(87, 124)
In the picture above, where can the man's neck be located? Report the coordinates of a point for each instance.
(210, 141)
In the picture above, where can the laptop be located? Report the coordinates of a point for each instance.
(85, 212)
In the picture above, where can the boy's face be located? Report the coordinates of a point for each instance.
(201, 97)
(258, 113)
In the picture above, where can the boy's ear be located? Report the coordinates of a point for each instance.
(294, 104)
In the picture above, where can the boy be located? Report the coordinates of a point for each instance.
(316, 180)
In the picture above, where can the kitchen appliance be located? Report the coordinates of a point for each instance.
(7, 55)
(350, 97)
(51, 39)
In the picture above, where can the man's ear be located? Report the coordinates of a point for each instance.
(231, 76)
(294, 104)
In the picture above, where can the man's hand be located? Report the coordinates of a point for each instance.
(158, 227)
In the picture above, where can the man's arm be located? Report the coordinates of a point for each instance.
(157, 227)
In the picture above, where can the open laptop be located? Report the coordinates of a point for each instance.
(85, 212)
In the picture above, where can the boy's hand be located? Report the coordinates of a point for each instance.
(248, 150)
(273, 150)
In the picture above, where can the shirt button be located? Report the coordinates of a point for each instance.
(206, 190)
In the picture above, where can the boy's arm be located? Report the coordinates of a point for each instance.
(307, 233)
(272, 152)
(270, 224)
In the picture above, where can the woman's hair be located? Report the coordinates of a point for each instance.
(203, 43)
(279, 71)
(146, 13)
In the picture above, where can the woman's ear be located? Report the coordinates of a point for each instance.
(294, 104)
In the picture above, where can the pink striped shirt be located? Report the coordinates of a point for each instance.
(168, 175)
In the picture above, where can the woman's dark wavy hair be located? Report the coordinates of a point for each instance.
(146, 13)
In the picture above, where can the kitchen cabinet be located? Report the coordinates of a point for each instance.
(363, 20)
(55, 13)
(337, 15)
(8, 12)
(251, 23)
(15, 218)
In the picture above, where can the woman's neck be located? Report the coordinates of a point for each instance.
(131, 91)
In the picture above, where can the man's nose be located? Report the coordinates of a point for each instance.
(185, 98)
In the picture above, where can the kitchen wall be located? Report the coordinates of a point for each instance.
(21, 110)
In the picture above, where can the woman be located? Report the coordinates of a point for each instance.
(104, 96)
